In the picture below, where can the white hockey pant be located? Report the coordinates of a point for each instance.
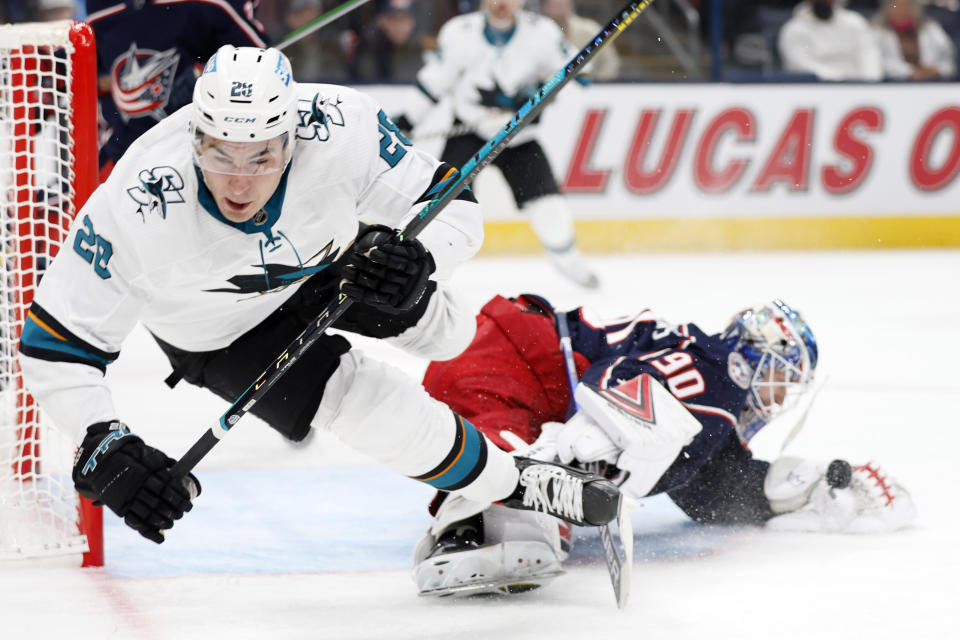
(381, 412)
(552, 222)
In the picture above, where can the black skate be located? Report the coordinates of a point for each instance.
(579, 497)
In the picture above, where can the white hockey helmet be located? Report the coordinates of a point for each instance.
(781, 351)
(245, 95)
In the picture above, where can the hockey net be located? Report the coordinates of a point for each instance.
(48, 168)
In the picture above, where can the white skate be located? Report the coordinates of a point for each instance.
(496, 551)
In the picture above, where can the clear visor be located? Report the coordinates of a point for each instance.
(242, 158)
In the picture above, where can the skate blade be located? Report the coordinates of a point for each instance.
(505, 586)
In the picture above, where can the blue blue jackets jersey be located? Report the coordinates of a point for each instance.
(149, 53)
(715, 478)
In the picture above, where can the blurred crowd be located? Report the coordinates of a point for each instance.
(843, 40)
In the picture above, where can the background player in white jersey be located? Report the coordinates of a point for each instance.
(226, 229)
(692, 445)
(487, 65)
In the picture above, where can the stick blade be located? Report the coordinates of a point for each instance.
(619, 557)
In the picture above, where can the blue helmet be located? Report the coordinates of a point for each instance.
(780, 349)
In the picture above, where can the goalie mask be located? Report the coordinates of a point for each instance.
(782, 352)
(244, 112)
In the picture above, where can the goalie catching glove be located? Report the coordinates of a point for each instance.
(385, 272)
(837, 498)
(115, 468)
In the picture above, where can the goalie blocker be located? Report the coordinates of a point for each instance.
(637, 425)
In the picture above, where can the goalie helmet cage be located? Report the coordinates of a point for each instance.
(48, 168)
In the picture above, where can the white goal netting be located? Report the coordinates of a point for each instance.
(39, 513)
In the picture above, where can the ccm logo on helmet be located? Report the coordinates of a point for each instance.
(239, 119)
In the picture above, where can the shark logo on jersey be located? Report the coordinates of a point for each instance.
(317, 116)
(158, 187)
(274, 277)
(141, 80)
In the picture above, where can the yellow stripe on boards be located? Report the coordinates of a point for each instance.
(735, 234)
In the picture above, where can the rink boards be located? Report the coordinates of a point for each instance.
(722, 166)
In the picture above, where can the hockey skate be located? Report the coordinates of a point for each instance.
(496, 551)
(576, 496)
(571, 264)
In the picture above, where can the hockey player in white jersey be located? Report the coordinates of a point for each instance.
(487, 65)
(226, 229)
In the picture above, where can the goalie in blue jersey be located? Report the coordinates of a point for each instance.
(514, 382)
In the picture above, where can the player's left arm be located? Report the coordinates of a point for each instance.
(401, 179)
(727, 488)
(400, 275)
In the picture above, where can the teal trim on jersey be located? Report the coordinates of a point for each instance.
(35, 341)
(498, 37)
(273, 207)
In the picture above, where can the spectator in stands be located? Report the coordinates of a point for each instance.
(382, 39)
(912, 45)
(46, 10)
(831, 42)
(306, 55)
(433, 15)
(577, 31)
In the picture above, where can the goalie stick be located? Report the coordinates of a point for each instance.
(530, 109)
(619, 561)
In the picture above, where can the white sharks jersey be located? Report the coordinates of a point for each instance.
(151, 246)
(480, 70)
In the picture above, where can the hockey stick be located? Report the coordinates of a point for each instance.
(320, 21)
(467, 173)
(620, 566)
(801, 421)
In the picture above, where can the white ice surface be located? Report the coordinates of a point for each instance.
(315, 542)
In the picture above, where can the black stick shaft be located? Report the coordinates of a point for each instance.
(468, 172)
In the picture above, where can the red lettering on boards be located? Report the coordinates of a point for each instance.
(637, 179)
(709, 178)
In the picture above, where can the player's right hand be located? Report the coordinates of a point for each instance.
(115, 468)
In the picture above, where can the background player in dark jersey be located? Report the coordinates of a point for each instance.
(512, 383)
(149, 55)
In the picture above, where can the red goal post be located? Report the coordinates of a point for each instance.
(48, 169)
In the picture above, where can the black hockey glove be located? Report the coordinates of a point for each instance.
(115, 468)
(385, 273)
(403, 123)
